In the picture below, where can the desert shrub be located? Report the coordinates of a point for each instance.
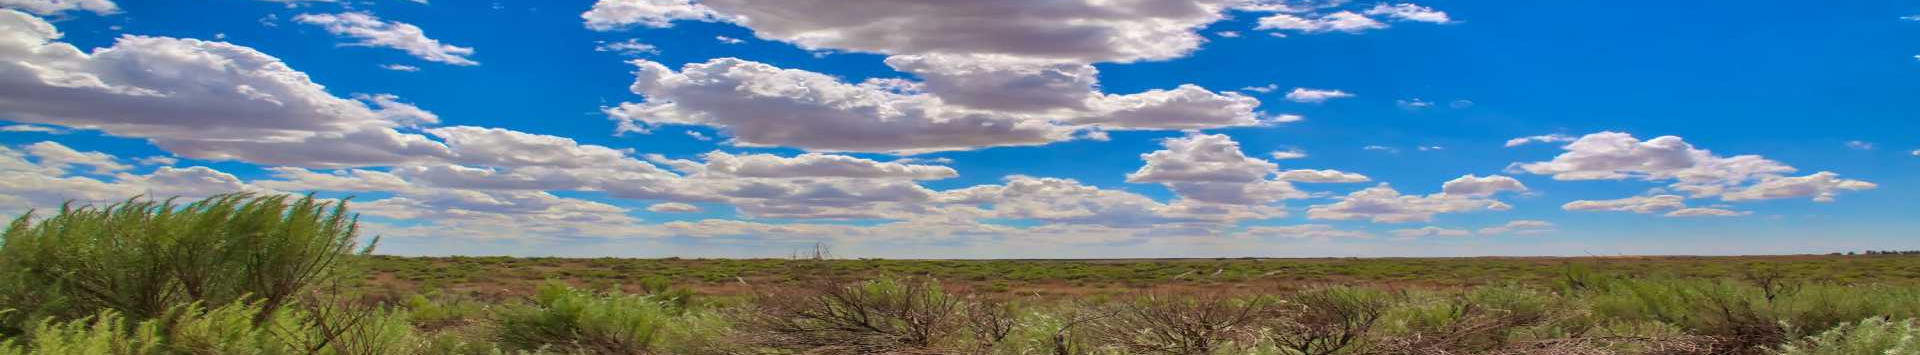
(663, 288)
(1745, 318)
(140, 258)
(1326, 320)
(1737, 317)
(1815, 307)
(436, 311)
(1576, 277)
(1054, 331)
(1178, 325)
(878, 316)
(1873, 336)
(565, 319)
(989, 323)
(361, 331)
(1481, 320)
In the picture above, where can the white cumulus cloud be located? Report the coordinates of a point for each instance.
(372, 32)
(52, 7)
(1315, 95)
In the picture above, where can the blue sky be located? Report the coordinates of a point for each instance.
(991, 129)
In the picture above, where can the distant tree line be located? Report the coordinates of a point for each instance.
(1882, 252)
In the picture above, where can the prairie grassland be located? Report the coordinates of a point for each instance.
(243, 274)
(507, 276)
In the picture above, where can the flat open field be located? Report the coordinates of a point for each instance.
(504, 276)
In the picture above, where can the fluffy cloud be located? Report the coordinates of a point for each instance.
(392, 109)
(1821, 186)
(1002, 83)
(630, 47)
(1520, 227)
(508, 148)
(1303, 19)
(50, 7)
(55, 156)
(42, 175)
(1671, 205)
(1549, 138)
(1309, 231)
(1636, 204)
(198, 99)
(1211, 168)
(1383, 204)
(1082, 31)
(1515, 227)
(1315, 95)
(32, 128)
(673, 207)
(807, 186)
(1288, 154)
(1328, 175)
(1201, 158)
(1070, 91)
(1475, 186)
(614, 14)
(1706, 212)
(1343, 21)
(499, 215)
(26, 184)
(372, 32)
(1615, 156)
(1068, 203)
(1409, 12)
(1184, 107)
(366, 147)
(158, 161)
(1060, 201)
(297, 179)
(818, 165)
(763, 105)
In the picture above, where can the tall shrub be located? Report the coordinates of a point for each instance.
(141, 257)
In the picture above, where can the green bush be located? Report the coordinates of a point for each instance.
(101, 335)
(430, 312)
(241, 328)
(1873, 336)
(141, 258)
(566, 319)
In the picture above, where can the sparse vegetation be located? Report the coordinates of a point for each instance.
(242, 274)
